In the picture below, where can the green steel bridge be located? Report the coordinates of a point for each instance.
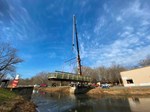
(64, 76)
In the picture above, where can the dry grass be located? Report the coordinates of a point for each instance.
(56, 89)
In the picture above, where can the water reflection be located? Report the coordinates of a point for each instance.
(139, 104)
(47, 102)
(104, 104)
(135, 100)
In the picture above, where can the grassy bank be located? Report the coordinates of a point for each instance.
(6, 95)
(11, 102)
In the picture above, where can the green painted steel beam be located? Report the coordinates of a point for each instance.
(68, 77)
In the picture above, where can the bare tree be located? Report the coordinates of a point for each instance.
(87, 71)
(145, 62)
(8, 59)
(39, 78)
(102, 73)
(114, 72)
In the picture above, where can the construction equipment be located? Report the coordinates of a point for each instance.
(77, 45)
(65, 76)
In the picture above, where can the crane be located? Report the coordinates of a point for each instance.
(77, 45)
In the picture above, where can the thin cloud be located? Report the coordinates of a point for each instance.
(105, 6)
(135, 9)
(119, 18)
(99, 24)
(128, 37)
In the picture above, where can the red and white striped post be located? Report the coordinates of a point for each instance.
(15, 81)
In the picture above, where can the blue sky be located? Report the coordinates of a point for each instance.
(109, 31)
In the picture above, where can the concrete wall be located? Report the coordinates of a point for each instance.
(140, 77)
(26, 92)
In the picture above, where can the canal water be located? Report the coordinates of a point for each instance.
(47, 102)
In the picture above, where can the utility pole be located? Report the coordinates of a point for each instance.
(77, 44)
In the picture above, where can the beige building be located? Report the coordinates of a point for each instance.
(136, 77)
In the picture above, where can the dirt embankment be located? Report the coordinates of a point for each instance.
(120, 91)
(11, 102)
(55, 89)
(18, 104)
(95, 91)
(24, 106)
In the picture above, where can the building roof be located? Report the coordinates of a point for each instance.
(137, 69)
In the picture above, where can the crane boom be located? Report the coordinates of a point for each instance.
(77, 44)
